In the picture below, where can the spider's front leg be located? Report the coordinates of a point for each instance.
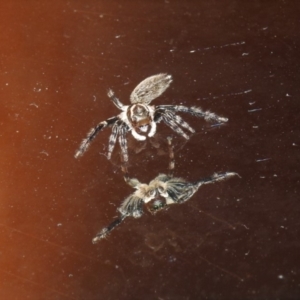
(175, 122)
(171, 156)
(114, 99)
(123, 142)
(112, 139)
(106, 230)
(195, 111)
(92, 134)
(216, 178)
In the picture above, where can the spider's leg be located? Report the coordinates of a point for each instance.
(133, 182)
(171, 156)
(180, 191)
(125, 172)
(112, 139)
(169, 119)
(184, 124)
(114, 99)
(106, 230)
(158, 115)
(133, 205)
(123, 142)
(153, 129)
(196, 111)
(92, 134)
(216, 178)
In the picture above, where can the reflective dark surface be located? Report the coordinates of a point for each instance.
(233, 240)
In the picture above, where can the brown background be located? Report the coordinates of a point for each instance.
(234, 240)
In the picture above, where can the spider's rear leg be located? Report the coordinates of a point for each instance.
(92, 134)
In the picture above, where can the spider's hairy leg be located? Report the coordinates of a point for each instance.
(153, 129)
(196, 111)
(125, 172)
(114, 99)
(92, 134)
(179, 190)
(123, 142)
(171, 156)
(112, 139)
(169, 118)
(184, 124)
(216, 178)
(106, 230)
(133, 205)
(133, 182)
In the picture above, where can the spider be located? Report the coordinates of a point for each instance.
(141, 118)
(159, 194)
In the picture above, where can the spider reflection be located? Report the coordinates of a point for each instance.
(159, 194)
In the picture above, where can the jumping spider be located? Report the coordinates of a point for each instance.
(161, 192)
(140, 117)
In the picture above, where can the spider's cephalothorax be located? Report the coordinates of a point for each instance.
(141, 118)
(159, 194)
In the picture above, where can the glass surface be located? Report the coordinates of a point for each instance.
(237, 239)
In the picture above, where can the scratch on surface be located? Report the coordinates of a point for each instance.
(262, 159)
(217, 125)
(226, 95)
(217, 219)
(219, 47)
(253, 110)
(88, 12)
(220, 268)
(33, 104)
(36, 283)
(50, 243)
(44, 152)
(244, 226)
